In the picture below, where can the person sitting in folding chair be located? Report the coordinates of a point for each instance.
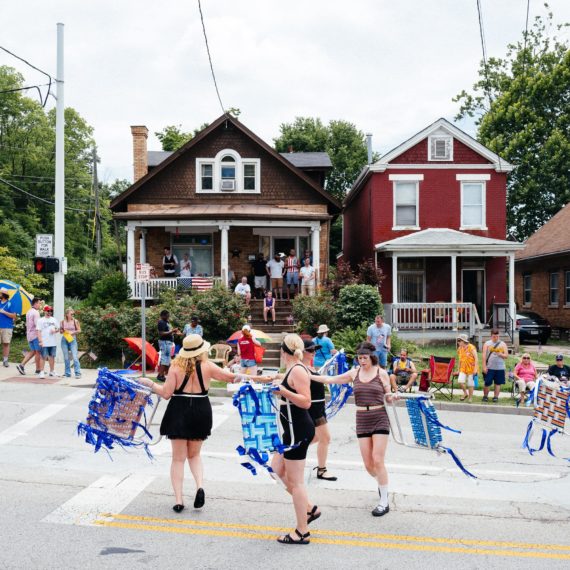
(404, 374)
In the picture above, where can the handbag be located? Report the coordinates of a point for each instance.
(258, 352)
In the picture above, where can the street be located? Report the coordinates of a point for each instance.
(64, 506)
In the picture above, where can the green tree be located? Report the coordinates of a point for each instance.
(522, 106)
(21, 273)
(172, 137)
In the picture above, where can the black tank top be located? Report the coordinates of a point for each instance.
(317, 389)
(286, 384)
(180, 390)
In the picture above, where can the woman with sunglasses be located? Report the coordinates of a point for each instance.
(525, 375)
(371, 384)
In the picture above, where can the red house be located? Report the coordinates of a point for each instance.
(432, 213)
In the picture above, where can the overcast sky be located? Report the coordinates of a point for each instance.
(389, 66)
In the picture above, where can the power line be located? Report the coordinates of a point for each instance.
(210, 57)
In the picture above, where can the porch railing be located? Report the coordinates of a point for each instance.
(436, 316)
(154, 286)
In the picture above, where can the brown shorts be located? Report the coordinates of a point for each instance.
(6, 336)
(276, 283)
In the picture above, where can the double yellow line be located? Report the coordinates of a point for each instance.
(341, 538)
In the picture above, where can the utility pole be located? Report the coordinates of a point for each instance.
(59, 245)
(97, 209)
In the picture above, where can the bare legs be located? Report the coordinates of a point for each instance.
(182, 450)
(373, 451)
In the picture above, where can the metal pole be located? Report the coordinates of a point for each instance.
(143, 326)
(59, 246)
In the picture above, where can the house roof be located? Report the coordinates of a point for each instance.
(442, 240)
(202, 135)
(318, 160)
(495, 161)
(155, 157)
(223, 212)
(552, 238)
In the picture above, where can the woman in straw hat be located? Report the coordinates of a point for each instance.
(187, 421)
(299, 431)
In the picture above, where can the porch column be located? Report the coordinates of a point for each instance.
(512, 306)
(224, 265)
(394, 279)
(454, 288)
(131, 257)
(142, 244)
(316, 249)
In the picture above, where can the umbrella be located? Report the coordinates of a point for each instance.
(259, 335)
(151, 354)
(20, 299)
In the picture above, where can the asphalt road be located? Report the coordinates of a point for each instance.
(64, 506)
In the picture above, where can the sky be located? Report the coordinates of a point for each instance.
(391, 67)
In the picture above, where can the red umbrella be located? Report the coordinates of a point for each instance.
(151, 354)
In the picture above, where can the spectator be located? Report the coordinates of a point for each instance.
(165, 343)
(186, 266)
(525, 375)
(560, 370)
(47, 336)
(269, 307)
(193, 327)
(292, 266)
(379, 334)
(495, 353)
(275, 269)
(308, 254)
(169, 263)
(324, 347)
(404, 372)
(244, 290)
(7, 319)
(468, 366)
(69, 329)
(246, 351)
(35, 351)
(308, 277)
(259, 276)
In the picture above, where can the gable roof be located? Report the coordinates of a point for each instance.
(206, 132)
(552, 238)
(496, 162)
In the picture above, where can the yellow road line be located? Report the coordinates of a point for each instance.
(338, 542)
(340, 533)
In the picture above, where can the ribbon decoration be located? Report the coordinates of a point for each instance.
(340, 393)
(116, 411)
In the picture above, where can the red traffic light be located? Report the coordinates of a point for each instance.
(46, 264)
(39, 265)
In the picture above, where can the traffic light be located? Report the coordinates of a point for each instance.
(46, 264)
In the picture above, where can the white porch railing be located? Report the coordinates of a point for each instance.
(435, 316)
(154, 286)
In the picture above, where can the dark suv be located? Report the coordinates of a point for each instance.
(532, 326)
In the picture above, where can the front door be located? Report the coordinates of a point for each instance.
(473, 290)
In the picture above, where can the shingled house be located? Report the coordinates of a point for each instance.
(222, 198)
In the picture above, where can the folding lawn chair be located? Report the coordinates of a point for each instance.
(439, 376)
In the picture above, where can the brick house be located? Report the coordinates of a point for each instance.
(432, 213)
(543, 272)
(222, 198)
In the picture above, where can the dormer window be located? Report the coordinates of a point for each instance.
(440, 148)
(228, 172)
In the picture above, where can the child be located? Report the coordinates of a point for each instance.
(269, 307)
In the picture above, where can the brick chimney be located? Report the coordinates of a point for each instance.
(140, 159)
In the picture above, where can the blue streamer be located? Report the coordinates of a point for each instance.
(458, 462)
(431, 414)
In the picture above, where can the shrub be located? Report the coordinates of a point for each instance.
(369, 274)
(310, 312)
(398, 344)
(339, 277)
(357, 305)
(112, 289)
(80, 279)
(349, 339)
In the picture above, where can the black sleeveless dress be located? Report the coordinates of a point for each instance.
(298, 427)
(188, 416)
(317, 409)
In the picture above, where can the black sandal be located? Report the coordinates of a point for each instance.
(288, 539)
(313, 515)
(178, 508)
(321, 474)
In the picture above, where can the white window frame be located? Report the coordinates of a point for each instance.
(552, 289)
(567, 288)
(474, 179)
(525, 289)
(216, 162)
(408, 178)
(449, 141)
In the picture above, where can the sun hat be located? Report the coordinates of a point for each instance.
(246, 328)
(323, 329)
(309, 344)
(463, 337)
(48, 308)
(193, 345)
(4, 291)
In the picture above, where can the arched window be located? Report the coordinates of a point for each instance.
(228, 172)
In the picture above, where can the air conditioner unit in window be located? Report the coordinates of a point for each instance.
(228, 185)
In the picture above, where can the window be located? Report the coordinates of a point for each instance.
(228, 168)
(249, 177)
(527, 289)
(228, 172)
(411, 280)
(440, 148)
(567, 288)
(553, 296)
(473, 205)
(406, 204)
(207, 176)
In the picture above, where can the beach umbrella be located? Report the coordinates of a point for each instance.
(259, 335)
(20, 299)
(135, 344)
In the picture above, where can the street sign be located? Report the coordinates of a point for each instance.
(44, 245)
(143, 272)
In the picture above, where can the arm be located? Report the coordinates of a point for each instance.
(8, 314)
(344, 378)
(255, 341)
(167, 389)
(388, 342)
(412, 366)
(476, 368)
(485, 348)
(504, 354)
(301, 383)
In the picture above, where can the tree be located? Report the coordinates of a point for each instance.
(522, 105)
(172, 137)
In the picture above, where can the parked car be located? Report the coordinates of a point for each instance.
(532, 326)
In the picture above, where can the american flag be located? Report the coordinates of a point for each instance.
(202, 283)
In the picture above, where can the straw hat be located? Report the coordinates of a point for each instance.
(4, 291)
(323, 329)
(463, 337)
(193, 345)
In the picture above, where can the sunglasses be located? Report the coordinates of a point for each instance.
(526, 358)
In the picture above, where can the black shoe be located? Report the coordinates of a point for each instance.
(178, 508)
(380, 511)
(21, 369)
(200, 498)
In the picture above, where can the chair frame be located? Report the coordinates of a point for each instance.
(438, 385)
(220, 353)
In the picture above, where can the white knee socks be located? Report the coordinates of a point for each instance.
(383, 492)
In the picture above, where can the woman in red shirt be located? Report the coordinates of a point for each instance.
(246, 351)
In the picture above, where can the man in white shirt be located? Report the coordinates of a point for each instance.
(308, 277)
(244, 290)
(186, 267)
(47, 335)
(275, 269)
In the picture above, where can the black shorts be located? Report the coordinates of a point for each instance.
(304, 431)
(317, 413)
(375, 432)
